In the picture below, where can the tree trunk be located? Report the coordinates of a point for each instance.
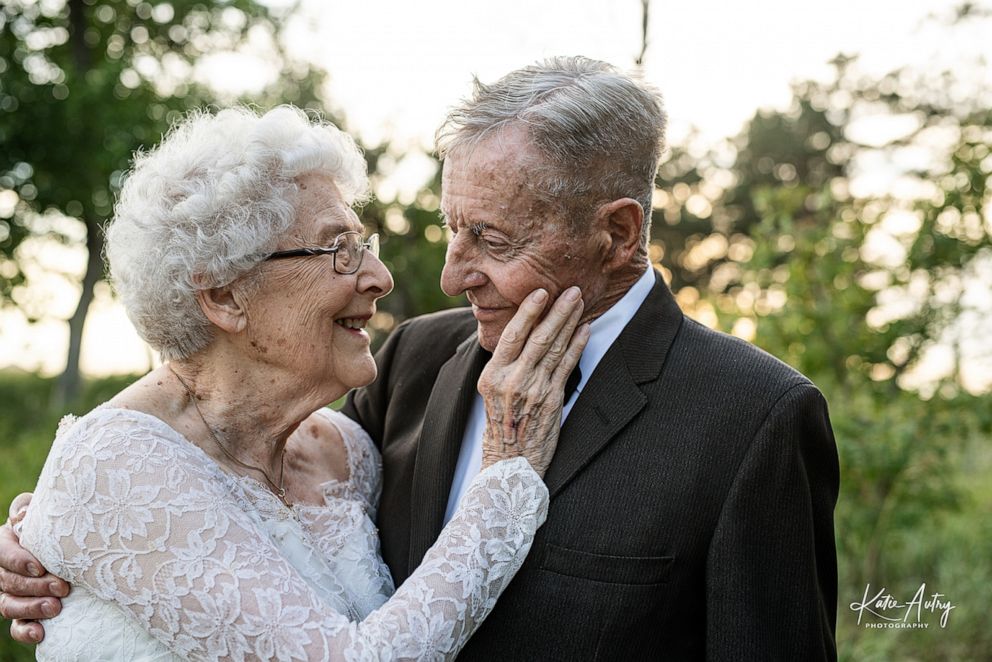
(77, 23)
(67, 386)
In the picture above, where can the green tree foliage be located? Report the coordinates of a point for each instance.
(87, 82)
(770, 238)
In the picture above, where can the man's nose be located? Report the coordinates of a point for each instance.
(460, 272)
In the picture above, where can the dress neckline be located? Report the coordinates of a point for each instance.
(253, 485)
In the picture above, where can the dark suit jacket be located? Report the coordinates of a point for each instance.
(692, 495)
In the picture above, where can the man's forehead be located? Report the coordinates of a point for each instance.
(489, 199)
(506, 148)
(497, 177)
(487, 166)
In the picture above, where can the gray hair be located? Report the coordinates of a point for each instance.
(206, 206)
(600, 131)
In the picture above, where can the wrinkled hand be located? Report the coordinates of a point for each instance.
(27, 591)
(523, 384)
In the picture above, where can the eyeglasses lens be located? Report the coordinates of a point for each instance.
(349, 253)
(351, 248)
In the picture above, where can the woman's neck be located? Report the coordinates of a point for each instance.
(248, 407)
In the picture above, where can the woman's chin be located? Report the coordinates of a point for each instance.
(359, 374)
(369, 377)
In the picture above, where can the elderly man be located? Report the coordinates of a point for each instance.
(695, 478)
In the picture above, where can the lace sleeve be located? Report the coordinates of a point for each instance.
(140, 520)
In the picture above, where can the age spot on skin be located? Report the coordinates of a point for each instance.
(261, 348)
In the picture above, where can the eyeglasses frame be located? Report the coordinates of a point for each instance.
(370, 245)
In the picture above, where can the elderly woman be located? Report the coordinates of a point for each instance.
(214, 509)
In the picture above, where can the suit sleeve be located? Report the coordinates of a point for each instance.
(772, 565)
(368, 405)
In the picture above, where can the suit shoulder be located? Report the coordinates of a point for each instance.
(720, 358)
(445, 328)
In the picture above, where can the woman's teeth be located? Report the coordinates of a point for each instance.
(352, 322)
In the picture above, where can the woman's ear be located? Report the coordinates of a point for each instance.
(223, 308)
(621, 220)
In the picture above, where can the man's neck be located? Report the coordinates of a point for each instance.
(614, 289)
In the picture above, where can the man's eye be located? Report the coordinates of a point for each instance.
(495, 244)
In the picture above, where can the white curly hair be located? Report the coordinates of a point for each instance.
(206, 206)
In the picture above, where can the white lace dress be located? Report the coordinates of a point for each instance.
(170, 557)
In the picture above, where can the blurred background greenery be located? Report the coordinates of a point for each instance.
(881, 295)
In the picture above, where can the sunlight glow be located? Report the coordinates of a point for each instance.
(395, 68)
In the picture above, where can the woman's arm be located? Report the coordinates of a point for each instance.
(141, 521)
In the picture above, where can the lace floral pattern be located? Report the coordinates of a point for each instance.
(206, 565)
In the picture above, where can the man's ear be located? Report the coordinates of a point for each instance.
(223, 308)
(621, 221)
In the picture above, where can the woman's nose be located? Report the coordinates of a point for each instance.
(374, 278)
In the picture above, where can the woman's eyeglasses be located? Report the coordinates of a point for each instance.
(348, 250)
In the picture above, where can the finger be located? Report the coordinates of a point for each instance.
(515, 333)
(33, 609)
(571, 357)
(29, 587)
(15, 558)
(560, 344)
(564, 312)
(27, 632)
(19, 507)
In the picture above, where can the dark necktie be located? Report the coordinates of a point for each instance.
(572, 382)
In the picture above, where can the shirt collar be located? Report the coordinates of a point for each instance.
(603, 331)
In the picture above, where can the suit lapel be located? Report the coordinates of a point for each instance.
(612, 396)
(440, 441)
(608, 402)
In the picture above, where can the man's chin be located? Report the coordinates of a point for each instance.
(489, 335)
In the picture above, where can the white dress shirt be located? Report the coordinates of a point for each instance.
(603, 332)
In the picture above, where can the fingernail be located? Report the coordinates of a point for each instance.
(34, 635)
(57, 589)
(48, 609)
(572, 294)
(539, 296)
(34, 570)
